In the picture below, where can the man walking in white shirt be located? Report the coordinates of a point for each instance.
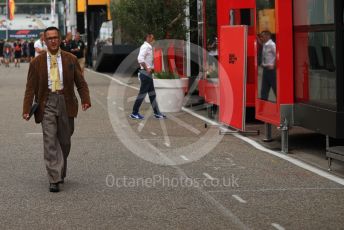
(39, 45)
(268, 64)
(145, 60)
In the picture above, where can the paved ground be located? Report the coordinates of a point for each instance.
(235, 186)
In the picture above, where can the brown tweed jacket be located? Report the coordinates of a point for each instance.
(37, 85)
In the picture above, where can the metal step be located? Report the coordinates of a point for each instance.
(335, 152)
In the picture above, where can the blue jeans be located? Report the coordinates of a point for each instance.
(147, 86)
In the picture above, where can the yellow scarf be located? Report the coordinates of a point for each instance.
(54, 72)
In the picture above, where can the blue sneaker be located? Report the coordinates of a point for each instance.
(159, 116)
(136, 116)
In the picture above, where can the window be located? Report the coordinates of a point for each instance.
(241, 17)
(314, 50)
(211, 65)
(267, 75)
(313, 12)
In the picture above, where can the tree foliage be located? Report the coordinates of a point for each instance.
(27, 1)
(163, 18)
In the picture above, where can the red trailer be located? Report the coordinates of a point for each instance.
(227, 13)
(275, 16)
(309, 55)
(241, 13)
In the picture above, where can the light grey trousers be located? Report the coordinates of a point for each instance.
(57, 131)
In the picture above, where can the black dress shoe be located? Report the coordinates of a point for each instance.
(54, 187)
(62, 181)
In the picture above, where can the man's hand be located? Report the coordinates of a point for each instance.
(271, 67)
(149, 70)
(26, 116)
(85, 107)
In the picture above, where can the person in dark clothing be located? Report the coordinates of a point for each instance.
(2, 43)
(78, 49)
(66, 44)
(17, 53)
(31, 46)
(25, 53)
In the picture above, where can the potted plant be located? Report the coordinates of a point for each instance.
(170, 91)
(164, 19)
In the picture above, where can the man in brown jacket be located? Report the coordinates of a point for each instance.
(50, 82)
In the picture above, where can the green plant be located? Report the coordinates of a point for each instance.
(166, 75)
(163, 18)
(27, 1)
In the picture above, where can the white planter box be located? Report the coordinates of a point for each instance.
(170, 94)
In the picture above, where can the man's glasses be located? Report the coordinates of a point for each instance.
(51, 39)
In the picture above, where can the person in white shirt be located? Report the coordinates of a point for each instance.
(39, 45)
(145, 60)
(268, 64)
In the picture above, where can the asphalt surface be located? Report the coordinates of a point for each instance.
(110, 186)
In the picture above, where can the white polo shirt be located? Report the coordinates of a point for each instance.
(146, 55)
(39, 44)
(269, 54)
